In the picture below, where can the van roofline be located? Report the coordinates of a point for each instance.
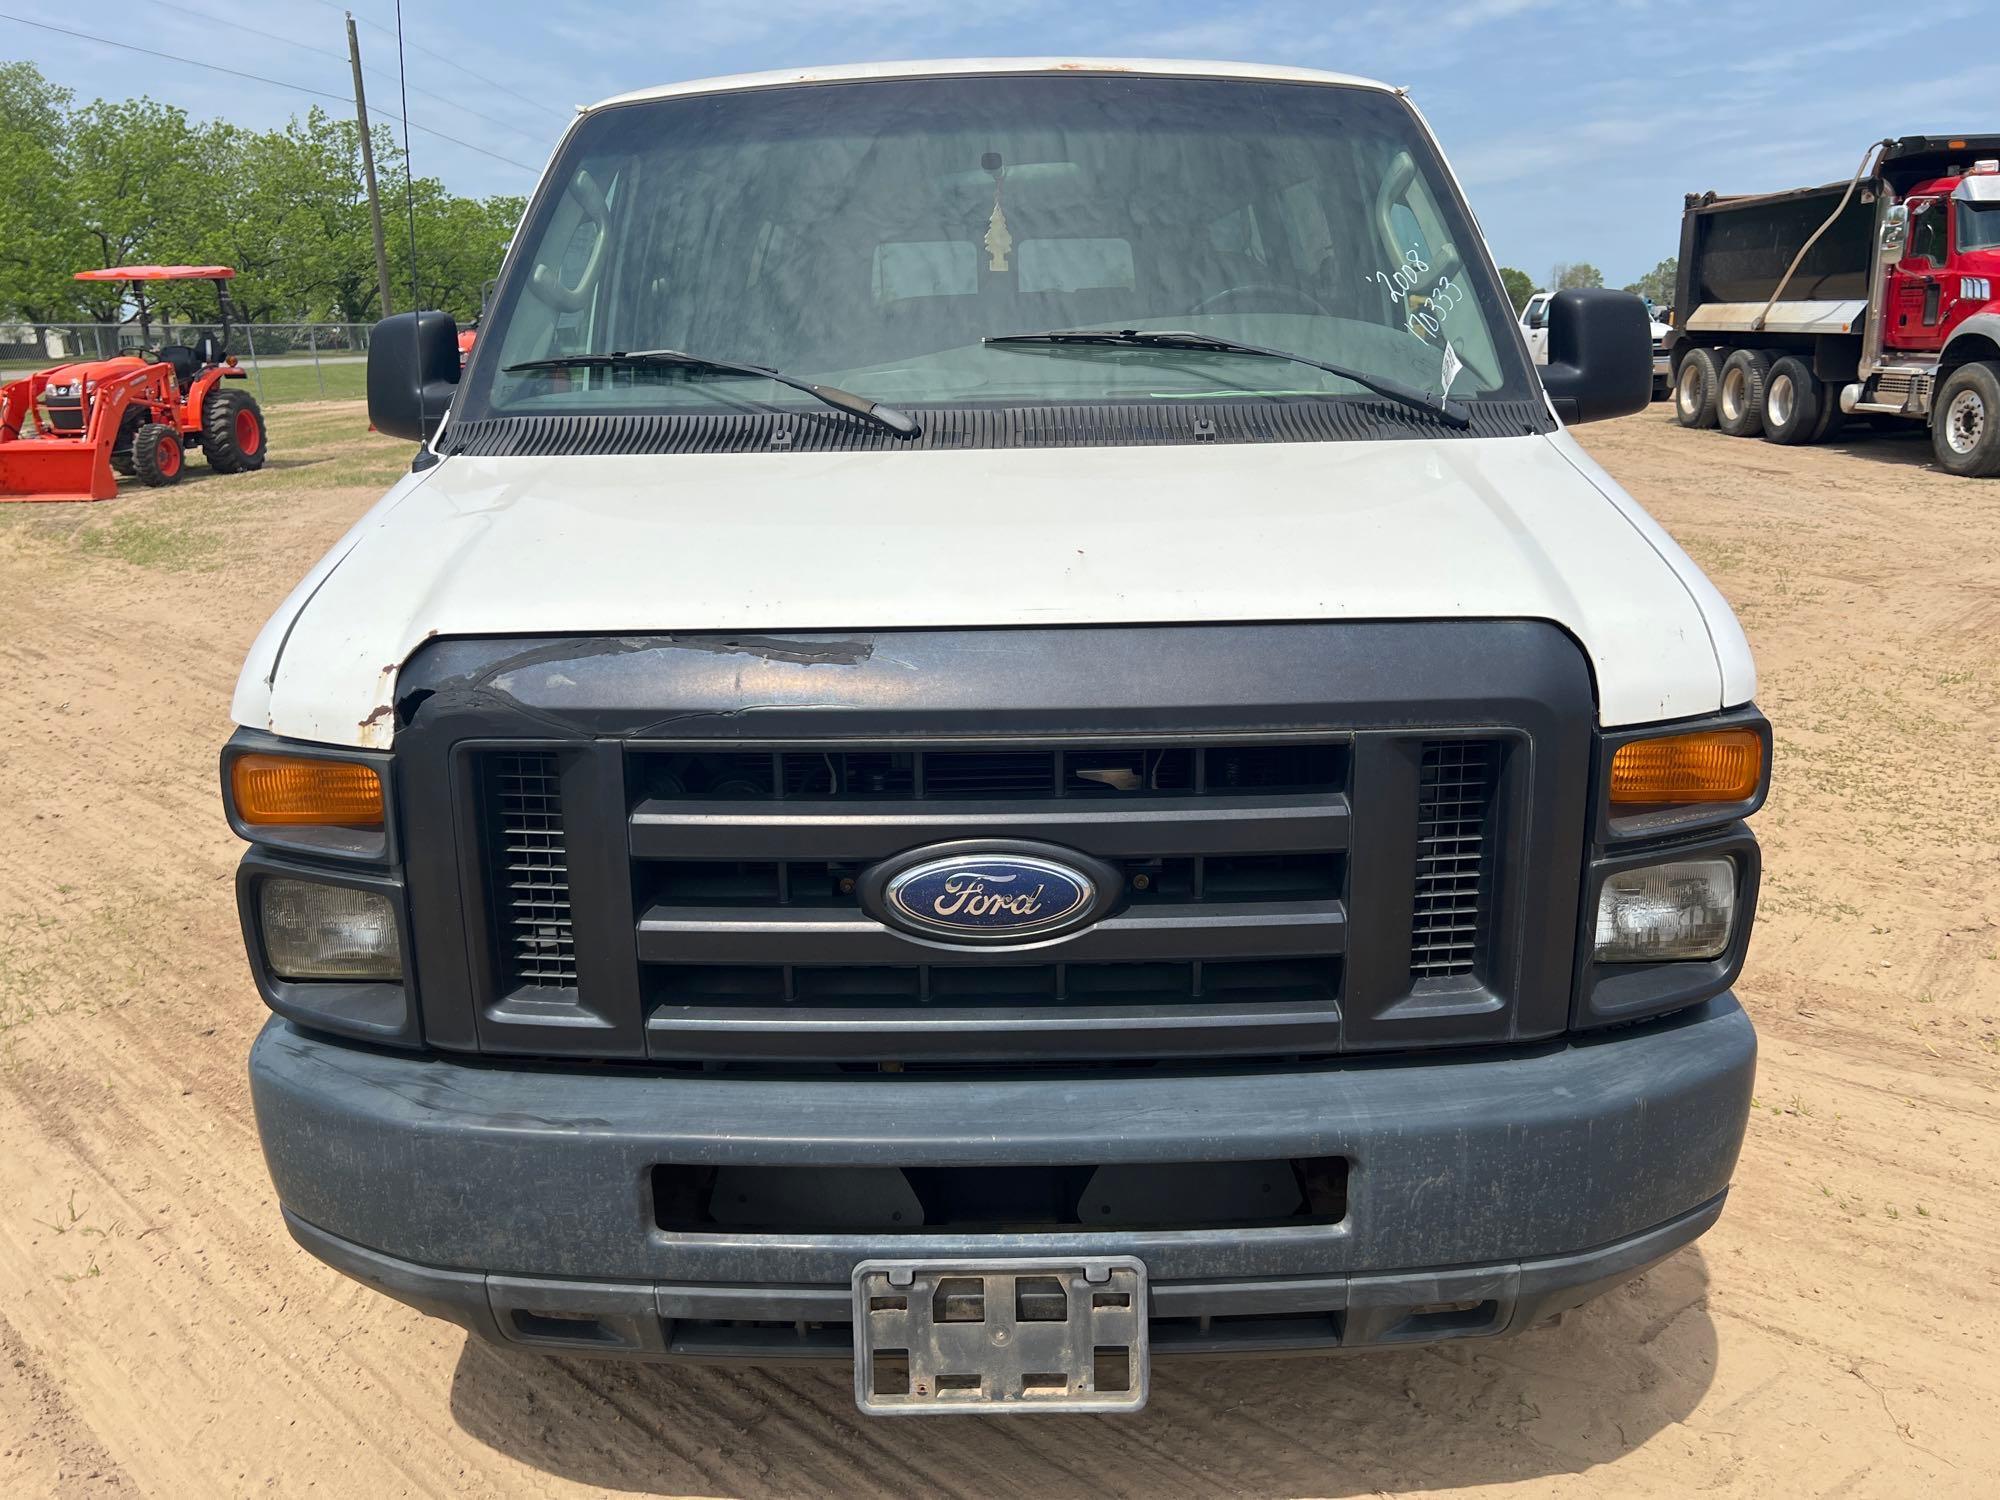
(963, 66)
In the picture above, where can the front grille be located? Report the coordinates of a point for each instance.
(1454, 798)
(747, 865)
(65, 413)
(1230, 935)
(529, 864)
(1314, 841)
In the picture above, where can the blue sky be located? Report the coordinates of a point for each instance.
(1576, 125)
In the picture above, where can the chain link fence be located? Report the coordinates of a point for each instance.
(285, 361)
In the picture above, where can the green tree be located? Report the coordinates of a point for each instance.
(1567, 274)
(119, 182)
(297, 226)
(1518, 286)
(143, 184)
(37, 234)
(1658, 283)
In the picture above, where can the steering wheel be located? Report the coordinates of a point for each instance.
(1301, 301)
(547, 283)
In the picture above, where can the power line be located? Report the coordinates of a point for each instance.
(236, 25)
(297, 88)
(180, 8)
(450, 62)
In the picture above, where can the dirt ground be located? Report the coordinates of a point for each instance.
(1836, 1335)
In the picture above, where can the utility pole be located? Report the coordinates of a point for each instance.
(368, 165)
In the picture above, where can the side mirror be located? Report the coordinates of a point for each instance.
(413, 365)
(1600, 354)
(1895, 231)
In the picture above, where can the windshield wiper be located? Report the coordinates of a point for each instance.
(1441, 407)
(888, 417)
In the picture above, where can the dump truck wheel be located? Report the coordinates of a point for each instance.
(232, 432)
(1739, 399)
(156, 454)
(1794, 403)
(1965, 421)
(1694, 389)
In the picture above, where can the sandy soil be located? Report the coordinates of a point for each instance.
(160, 1335)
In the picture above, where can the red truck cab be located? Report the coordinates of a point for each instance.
(1950, 260)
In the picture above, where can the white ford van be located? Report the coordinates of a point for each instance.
(998, 732)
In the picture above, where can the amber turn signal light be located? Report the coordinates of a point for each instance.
(1709, 765)
(298, 791)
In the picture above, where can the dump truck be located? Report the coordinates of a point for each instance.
(1871, 297)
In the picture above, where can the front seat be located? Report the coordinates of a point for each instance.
(186, 363)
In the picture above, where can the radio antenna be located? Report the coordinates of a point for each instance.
(409, 173)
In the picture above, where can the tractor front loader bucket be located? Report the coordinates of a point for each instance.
(50, 467)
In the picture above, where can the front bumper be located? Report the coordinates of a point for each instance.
(1485, 1191)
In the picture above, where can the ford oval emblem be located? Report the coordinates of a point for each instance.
(990, 892)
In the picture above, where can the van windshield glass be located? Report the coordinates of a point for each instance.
(870, 235)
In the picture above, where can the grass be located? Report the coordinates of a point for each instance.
(281, 385)
(149, 542)
(208, 519)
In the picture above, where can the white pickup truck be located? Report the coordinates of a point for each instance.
(999, 731)
(1534, 322)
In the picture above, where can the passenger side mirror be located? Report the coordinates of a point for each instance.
(1600, 354)
(1895, 232)
(413, 365)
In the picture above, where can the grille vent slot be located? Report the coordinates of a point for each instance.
(1454, 801)
(835, 774)
(530, 865)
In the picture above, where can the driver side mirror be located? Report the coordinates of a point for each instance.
(413, 365)
(1600, 354)
(1895, 232)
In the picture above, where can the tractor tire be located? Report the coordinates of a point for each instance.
(1795, 403)
(156, 455)
(1739, 399)
(232, 432)
(1965, 421)
(1694, 388)
(121, 449)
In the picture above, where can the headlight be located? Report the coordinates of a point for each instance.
(1682, 909)
(317, 931)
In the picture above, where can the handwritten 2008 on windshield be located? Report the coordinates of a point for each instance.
(1440, 299)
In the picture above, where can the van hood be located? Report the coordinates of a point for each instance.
(1518, 527)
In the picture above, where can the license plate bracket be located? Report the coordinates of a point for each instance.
(1000, 1335)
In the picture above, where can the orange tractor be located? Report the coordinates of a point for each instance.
(67, 433)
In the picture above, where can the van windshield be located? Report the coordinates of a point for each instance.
(872, 235)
